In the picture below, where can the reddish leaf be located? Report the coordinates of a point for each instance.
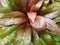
(13, 14)
(52, 26)
(32, 2)
(32, 16)
(36, 6)
(39, 24)
(12, 21)
(24, 5)
(23, 36)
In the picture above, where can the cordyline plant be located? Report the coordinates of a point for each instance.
(29, 22)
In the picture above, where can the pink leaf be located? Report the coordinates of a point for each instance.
(32, 16)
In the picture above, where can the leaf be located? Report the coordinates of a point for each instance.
(23, 36)
(57, 19)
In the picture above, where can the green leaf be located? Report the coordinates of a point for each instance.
(8, 38)
(57, 0)
(5, 6)
(57, 19)
(35, 39)
(57, 38)
(48, 39)
(8, 31)
(43, 42)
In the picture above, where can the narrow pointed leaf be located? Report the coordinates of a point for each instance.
(39, 24)
(36, 7)
(48, 39)
(8, 38)
(8, 31)
(52, 26)
(35, 39)
(23, 36)
(57, 19)
(12, 21)
(12, 14)
(43, 42)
